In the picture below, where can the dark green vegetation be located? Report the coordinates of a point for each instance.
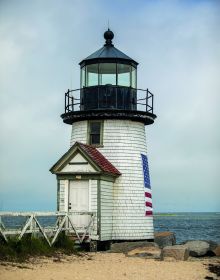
(28, 246)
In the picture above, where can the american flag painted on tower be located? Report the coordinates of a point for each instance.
(147, 187)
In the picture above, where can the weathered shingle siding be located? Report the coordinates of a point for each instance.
(79, 132)
(124, 141)
(93, 202)
(106, 200)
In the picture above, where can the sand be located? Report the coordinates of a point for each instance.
(108, 266)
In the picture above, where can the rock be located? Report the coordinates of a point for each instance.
(163, 239)
(212, 247)
(125, 247)
(212, 244)
(197, 248)
(216, 251)
(176, 252)
(146, 252)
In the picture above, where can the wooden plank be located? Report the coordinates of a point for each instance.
(73, 227)
(25, 214)
(59, 229)
(42, 214)
(28, 224)
(87, 228)
(42, 231)
(2, 224)
(60, 225)
(3, 235)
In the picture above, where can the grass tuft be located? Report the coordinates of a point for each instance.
(29, 246)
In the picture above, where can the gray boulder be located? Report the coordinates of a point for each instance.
(164, 239)
(212, 248)
(197, 248)
(212, 244)
(125, 247)
(176, 252)
(146, 252)
(216, 251)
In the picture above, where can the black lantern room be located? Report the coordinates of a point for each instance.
(108, 88)
(108, 78)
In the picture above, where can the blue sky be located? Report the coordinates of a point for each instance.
(177, 44)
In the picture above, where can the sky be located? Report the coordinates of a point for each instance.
(177, 45)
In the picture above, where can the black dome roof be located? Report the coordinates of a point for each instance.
(108, 53)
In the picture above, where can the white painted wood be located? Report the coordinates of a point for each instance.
(123, 143)
(78, 158)
(79, 201)
(63, 223)
(63, 195)
(78, 164)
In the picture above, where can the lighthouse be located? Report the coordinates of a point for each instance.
(105, 172)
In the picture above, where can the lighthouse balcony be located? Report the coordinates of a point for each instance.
(109, 102)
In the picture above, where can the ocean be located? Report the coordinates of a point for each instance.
(189, 226)
(186, 226)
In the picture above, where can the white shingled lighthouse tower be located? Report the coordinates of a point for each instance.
(105, 173)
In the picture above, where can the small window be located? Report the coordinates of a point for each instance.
(95, 133)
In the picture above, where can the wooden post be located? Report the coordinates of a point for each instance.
(93, 246)
(33, 228)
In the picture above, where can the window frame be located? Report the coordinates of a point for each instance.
(132, 78)
(89, 133)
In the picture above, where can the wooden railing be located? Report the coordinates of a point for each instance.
(32, 224)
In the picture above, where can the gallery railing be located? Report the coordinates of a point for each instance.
(110, 98)
(47, 224)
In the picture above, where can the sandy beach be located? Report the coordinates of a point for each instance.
(100, 266)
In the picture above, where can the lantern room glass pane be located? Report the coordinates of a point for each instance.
(92, 78)
(124, 74)
(107, 73)
(133, 77)
(83, 77)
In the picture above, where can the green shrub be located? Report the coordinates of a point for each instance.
(64, 243)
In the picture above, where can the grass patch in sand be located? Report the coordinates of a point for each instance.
(29, 246)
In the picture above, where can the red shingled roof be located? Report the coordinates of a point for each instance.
(99, 159)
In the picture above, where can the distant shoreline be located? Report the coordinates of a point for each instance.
(183, 213)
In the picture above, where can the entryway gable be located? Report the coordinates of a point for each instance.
(75, 160)
(78, 163)
(82, 158)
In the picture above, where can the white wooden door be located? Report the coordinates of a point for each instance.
(79, 201)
